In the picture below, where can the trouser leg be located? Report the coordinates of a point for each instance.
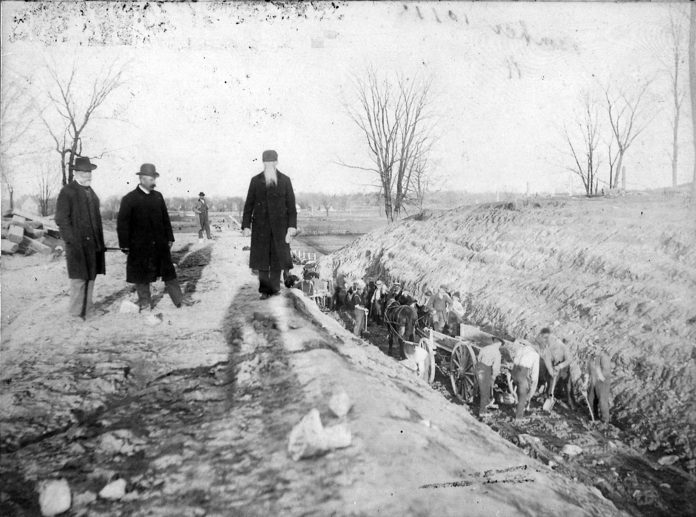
(274, 280)
(358, 327)
(207, 228)
(78, 291)
(174, 291)
(89, 304)
(144, 300)
(484, 375)
(520, 377)
(265, 282)
(602, 391)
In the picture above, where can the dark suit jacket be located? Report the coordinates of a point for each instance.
(81, 229)
(144, 228)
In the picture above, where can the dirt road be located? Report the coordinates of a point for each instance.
(194, 413)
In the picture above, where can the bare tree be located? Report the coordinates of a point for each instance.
(46, 189)
(74, 114)
(17, 116)
(674, 67)
(624, 111)
(327, 202)
(392, 116)
(582, 143)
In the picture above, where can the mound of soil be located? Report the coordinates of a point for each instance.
(608, 274)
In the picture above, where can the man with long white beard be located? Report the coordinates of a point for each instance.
(270, 217)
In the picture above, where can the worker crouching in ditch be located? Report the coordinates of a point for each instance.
(525, 375)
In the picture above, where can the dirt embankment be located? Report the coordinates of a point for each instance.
(194, 414)
(610, 274)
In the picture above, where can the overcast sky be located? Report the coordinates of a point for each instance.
(211, 86)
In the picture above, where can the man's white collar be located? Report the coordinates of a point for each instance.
(144, 189)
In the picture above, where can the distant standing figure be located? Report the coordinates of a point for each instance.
(525, 375)
(202, 210)
(145, 235)
(270, 217)
(440, 304)
(79, 220)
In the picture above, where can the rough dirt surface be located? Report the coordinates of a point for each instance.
(194, 413)
(613, 274)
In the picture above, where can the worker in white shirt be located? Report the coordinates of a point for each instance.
(525, 374)
(487, 369)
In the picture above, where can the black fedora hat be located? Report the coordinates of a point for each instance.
(83, 164)
(201, 194)
(147, 169)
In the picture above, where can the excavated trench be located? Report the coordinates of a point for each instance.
(632, 481)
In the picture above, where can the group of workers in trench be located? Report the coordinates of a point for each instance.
(545, 361)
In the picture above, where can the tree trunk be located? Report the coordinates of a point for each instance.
(675, 149)
(617, 170)
(692, 84)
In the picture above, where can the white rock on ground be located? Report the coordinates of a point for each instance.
(571, 450)
(54, 497)
(340, 403)
(668, 460)
(307, 438)
(128, 307)
(114, 490)
(337, 436)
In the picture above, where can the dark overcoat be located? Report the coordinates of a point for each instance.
(81, 229)
(144, 228)
(269, 212)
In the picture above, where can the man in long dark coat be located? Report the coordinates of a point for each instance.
(270, 217)
(77, 216)
(145, 235)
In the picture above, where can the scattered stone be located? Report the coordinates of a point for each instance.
(337, 436)
(691, 464)
(571, 450)
(307, 438)
(54, 497)
(154, 319)
(117, 442)
(83, 499)
(128, 307)
(114, 490)
(76, 449)
(167, 461)
(665, 486)
(668, 460)
(340, 403)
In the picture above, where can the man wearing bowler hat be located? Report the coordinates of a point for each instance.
(202, 210)
(270, 217)
(145, 235)
(77, 216)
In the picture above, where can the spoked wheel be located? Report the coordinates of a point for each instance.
(428, 373)
(462, 374)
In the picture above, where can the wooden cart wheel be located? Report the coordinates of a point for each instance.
(462, 374)
(428, 373)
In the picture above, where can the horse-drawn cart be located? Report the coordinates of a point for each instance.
(455, 356)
